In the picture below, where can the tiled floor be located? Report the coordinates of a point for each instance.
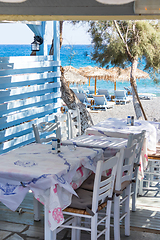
(145, 222)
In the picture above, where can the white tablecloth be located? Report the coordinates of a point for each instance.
(48, 175)
(109, 145)
(118, 127)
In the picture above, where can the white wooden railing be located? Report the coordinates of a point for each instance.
(29, 93)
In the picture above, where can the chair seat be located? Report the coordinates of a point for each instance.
(83, 203)
(83, 200)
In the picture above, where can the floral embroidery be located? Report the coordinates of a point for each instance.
(8, 189)
(55, 189)
(109, 172)
(57, 215)
(74, 185)
(25, 163)
(80, 170)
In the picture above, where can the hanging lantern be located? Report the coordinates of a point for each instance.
(115, 2)
(35, 45)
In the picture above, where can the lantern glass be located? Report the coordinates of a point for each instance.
(35, 46)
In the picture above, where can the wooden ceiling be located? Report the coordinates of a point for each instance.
(43, 10)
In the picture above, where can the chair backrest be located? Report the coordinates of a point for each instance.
(82, 97)
(125, 166)
(100, 100)
(91, 89)
(120, 94)
(103, 187)
(104, 92)
(139, 139)
(80, 89)
(65, 130)
(75, 122)
(45, 131)
(75, 89)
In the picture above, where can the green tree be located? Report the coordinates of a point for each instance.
(123, 42)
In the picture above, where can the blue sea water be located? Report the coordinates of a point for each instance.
(80, 56)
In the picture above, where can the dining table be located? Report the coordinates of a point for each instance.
(117, 127)
(109, 145)
(52, 177)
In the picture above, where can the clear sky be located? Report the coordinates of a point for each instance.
(19, 33)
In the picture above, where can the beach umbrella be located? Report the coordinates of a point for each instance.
(72, 76)
(118, 74)
(94, 72)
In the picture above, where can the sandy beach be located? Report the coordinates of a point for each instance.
(151, 108)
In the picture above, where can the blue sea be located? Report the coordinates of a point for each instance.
(80, 56)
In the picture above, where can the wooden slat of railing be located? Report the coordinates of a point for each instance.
(25, 92)
(27, 79)
(18, 105)
(27, 115)
(24, 128)
(26, 59)
(29, 93)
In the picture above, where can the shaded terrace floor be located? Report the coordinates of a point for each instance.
(145, 222)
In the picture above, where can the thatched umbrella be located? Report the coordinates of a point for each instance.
(94, 72)
(118, 74)
(72, 76)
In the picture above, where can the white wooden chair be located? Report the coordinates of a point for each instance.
(151, 180)
(123, 184)
(44, 131)
(75, 122)
(90, 203)
(139, 138)
(65, 126)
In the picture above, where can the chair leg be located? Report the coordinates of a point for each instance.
(134, 195)
(76, 232)
(107, 222)
(94, 227)
(141, 187)
(116, 217)
(127, 210)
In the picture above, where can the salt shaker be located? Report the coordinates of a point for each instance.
(129, 120)
(54, 145)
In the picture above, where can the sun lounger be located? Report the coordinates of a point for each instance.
(100, 102)
(120, 97)
(146, 96)
(104, 92)
(81, 90)
(90, 91)
(75, 89)
(83, 98)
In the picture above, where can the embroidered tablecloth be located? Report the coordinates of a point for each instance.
(50, 176)
(109, 145)
(116, 127)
